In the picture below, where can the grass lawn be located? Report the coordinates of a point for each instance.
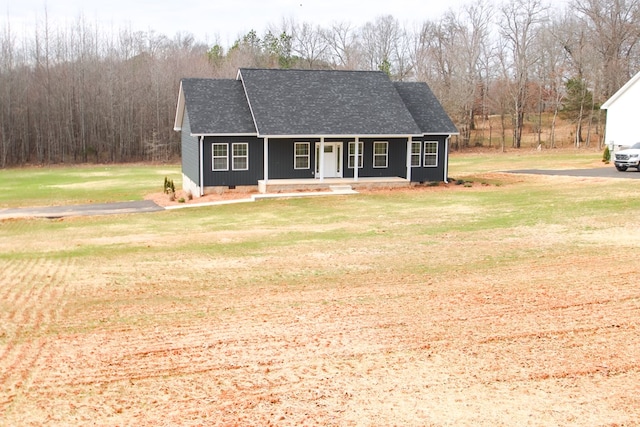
(507, 302)
(60, 185)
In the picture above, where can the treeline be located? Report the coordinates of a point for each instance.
(81, 94)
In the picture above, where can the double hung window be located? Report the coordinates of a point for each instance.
(380, 154)
(415, 153)
(240, 151)
(220, 156)
(301, 156)
(430, 153)
(352, 154)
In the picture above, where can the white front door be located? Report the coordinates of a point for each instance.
(332, 160)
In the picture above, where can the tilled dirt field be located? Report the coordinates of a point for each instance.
(451, 331)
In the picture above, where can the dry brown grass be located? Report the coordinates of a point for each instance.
(113, 323)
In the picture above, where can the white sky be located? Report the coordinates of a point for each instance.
(212, 20)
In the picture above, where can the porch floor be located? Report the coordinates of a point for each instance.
(313, 184)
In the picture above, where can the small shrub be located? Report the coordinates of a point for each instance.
(433, 184)
(169, 187)
(606, 156)
(181, 200)
(459, 181)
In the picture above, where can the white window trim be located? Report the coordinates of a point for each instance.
(244, 156)
(214, 157)
(430, 155)
(386, 154)
(296, 155)
(419, 153)
(360, 154)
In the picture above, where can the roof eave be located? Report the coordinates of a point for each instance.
(358, 135)
(224, 134)
(441, 133)
(620, 91)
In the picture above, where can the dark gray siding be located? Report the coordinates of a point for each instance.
(231, 177)
(281, 159)
(431, 174)
(190, 151)
(396, 161)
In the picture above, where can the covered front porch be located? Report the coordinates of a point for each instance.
(316, 184)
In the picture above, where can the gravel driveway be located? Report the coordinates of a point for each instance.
(605, 172)
(77, 210)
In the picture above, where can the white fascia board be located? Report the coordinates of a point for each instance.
(440, 134)
(177, 124)
(337, 136)
(223, 134)
(246, 95)
(620, 91)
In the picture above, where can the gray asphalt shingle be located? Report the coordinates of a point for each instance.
(326, 102)
(217, 106)
(313, 103)
(425, 108)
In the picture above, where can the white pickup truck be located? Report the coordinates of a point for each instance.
(628, 158)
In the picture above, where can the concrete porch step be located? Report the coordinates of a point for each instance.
(339, 188)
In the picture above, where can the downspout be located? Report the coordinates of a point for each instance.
(446, 159)
(265, 156)
(201, 148)
(409, 159)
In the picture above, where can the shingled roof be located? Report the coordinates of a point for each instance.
(325, 102)
(215, 106)
(272, 102)
(425, 108)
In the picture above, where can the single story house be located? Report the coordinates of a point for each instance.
(309, 126)
(620, 129)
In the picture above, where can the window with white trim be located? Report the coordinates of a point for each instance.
(301, 155)
(415, 153)
(430, 153)
(380, 154)
(220, 157)
(240, 156)
(352, 154)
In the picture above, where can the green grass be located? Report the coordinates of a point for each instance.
(35, 186)
(371, 219)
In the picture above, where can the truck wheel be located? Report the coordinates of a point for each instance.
(621, 168)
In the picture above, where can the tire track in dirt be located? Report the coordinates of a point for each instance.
(33, 291)
(123, 356)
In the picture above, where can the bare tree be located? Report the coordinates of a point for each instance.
(310, 44)
(520, 22)
(343, 46)
(614, 30)
(380, 40)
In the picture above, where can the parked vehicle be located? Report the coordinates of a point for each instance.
(628, 158)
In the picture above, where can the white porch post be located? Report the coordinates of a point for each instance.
(321, 160)
(355, 160)
(409, 159)
(266, 160)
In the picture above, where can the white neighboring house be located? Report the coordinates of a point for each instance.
(621, 130)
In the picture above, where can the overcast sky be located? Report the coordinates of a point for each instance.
(213, 20)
